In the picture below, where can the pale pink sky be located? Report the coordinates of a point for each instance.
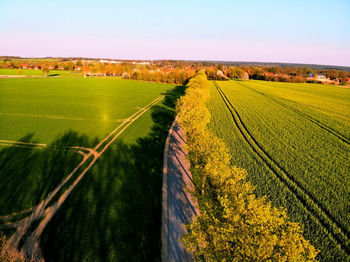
(311, 32)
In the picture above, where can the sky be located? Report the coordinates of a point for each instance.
(299, 31)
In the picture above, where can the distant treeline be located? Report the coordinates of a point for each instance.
(137, 71)
(264, 64)
(180, 71)
(279, 74)
(193, 62)
(178, 76)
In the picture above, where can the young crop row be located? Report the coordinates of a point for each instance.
(325, 127)
(310, 202)
(328, 104)
(313, 157)
(310, 159)
(234, 223)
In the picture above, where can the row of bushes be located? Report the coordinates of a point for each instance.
(160, 76)
(233, 225)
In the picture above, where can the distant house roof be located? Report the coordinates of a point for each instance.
(321, 77)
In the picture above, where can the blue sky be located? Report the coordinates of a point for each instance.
(276, 31)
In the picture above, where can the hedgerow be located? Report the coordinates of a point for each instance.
(234, 224)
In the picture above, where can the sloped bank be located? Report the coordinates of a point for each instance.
(179, 207)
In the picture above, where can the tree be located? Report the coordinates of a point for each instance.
(85, 69)
(69, 66)
(79, 63)
(53, 64)
(233, 225)
(235, 72)
(211, 73)
(219, 67)
(45, 68)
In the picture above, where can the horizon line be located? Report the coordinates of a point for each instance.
(172, 59)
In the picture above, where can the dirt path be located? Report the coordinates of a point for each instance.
(79, 149)
(41, 211)
(21, 143)
(12, 76)
(18, 76)
(179, 207)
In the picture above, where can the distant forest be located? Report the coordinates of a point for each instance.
(180, 71)
(202, 62)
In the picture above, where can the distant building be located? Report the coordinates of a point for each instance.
(321, 77)
(109, 61)
(141, 63)
(125, 75)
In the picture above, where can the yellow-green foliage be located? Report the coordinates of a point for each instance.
(234, 225)
(192, 111)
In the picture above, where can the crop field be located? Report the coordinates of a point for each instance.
(47, 107)
(294, 141)
(31, 72)
(81, 166)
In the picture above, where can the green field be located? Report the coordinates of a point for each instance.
(294, 140)
(31, 72)
(47, 107)
(114, 212)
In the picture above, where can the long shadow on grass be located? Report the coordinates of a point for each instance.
(28, 174)
(114, 214)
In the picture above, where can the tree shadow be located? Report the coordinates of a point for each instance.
(114, 214)
(29, 173)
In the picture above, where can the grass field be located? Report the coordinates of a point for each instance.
(31, 72)
(114, 212)
(47, 107)
(294, 140)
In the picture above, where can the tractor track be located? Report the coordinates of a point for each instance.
(311, 205)
(44, 211)
(310, 118)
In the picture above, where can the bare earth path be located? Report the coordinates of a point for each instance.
(43, 211)
(179, 207)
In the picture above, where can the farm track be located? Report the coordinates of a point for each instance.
(20, 144)
(44, 213)
(312, 206)
(310, 118)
